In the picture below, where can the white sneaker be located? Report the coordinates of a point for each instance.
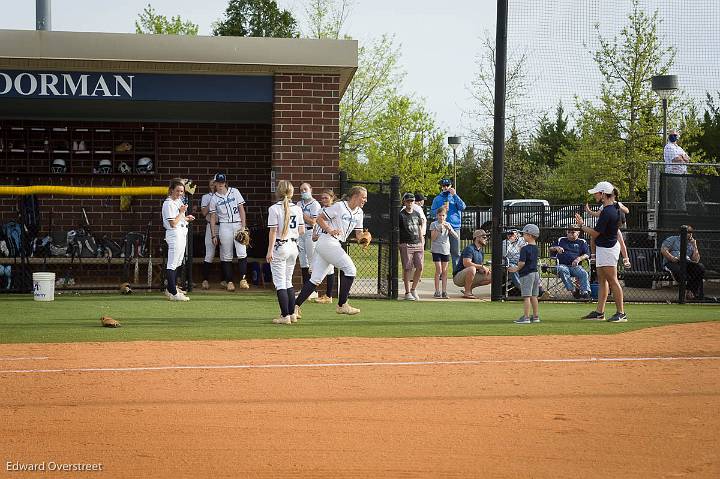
(182, 293)
(168, 295)
(409, 297)
(415, 295)
(346, 309)
(230, 286)
(205, 284)
(313, 296)
(179, 297)
(281, 320)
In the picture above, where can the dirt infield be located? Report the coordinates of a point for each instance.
(425, 407)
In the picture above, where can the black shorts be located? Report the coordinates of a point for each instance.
(442, 258)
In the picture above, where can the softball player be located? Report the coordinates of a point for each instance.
(209, 245)
(175, 222)
(286, 224)
(337, 222)
(327, 198)
(306, 246)
(227, 217)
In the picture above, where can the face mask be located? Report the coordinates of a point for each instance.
(306, 195)
(673, 138)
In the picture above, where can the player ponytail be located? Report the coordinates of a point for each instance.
(284, 192)
(356, 190)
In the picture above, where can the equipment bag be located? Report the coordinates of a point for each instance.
(13, 233)
(134, 245)
(82, 244)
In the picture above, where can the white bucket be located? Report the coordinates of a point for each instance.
(44, 286)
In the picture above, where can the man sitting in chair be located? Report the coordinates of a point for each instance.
(695, 275)
(570, 251)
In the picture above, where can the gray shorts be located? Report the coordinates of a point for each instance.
(530, 284)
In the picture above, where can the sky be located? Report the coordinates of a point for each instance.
(438, 40)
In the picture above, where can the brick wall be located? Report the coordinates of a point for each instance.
(194, 151)
(305, 129)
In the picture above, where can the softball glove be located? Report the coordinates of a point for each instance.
(243, 237)
(108, 322)
(365, 239)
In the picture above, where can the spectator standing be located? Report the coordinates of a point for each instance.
(411, 246)
(695, 273)
(454, 205)
(676, 161)
(529, 276)
(571, 250)
(419, 206)
(440, 232)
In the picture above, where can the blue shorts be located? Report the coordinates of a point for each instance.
(440, 258)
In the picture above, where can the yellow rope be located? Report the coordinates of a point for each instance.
(83, 190)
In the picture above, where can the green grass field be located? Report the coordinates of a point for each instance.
(248, 315)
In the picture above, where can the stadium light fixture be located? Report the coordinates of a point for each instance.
(664, 86)
(454, 142)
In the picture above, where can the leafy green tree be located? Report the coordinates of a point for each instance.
(704, 140)
(551, 139)
(149, 22)
(256, 18)
(407, 143)
(326, 18)
(619, 135)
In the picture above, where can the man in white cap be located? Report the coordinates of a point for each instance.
(607, 249)
(676, 161)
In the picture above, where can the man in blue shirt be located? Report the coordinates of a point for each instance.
(455, 205)
(471, 272)
(570, 251)
(695, 276)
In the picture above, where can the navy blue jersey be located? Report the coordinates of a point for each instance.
(529, 255)
(607, 226)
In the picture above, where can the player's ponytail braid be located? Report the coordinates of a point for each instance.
(285, 191)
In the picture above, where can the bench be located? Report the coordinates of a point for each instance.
(646, 268)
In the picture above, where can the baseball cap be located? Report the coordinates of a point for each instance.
(602, 187)
(480, 232)
(419, 197)
(220, 178)
(445, 182)
(532, 230)
(409, 196)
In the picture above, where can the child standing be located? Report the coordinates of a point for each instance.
(529, 276)
(440, 232)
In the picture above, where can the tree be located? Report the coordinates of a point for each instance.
(149, 22)
(406, 142)
(256, 18)
(620, 131)
(551, 139)
(705, 139)
(326, 18)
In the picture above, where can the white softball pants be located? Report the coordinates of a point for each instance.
(210, 248)
(228, 245)
(176, 240)
(306, 249)
(283, 264)
(328, 253)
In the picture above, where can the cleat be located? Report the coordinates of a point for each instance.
(205, 284)
(244, 284)
(346, 309)
(179, 297)
(230, 286)
(281, 320)
(298, 313)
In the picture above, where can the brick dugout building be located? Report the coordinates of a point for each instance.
(259, 109)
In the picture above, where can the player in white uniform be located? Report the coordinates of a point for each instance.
(337, 222)
(227, 217)
(175, 222)
(210, 247)
(306, 246)
(327, 198)
(285, 220)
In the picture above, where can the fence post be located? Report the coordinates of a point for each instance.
(394, 234)
(683, 264)
(343, 183)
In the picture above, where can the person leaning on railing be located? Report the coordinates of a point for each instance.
(695, 273)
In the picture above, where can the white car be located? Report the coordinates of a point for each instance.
(520, 212)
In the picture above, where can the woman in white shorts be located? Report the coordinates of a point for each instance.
(285, 220)
(607, 251)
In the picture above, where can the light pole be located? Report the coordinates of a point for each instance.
(664, 86)
(454, 142)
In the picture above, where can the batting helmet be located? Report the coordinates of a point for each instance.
(144, 165)
(104, 166)
(58, 166)
(124, 168)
